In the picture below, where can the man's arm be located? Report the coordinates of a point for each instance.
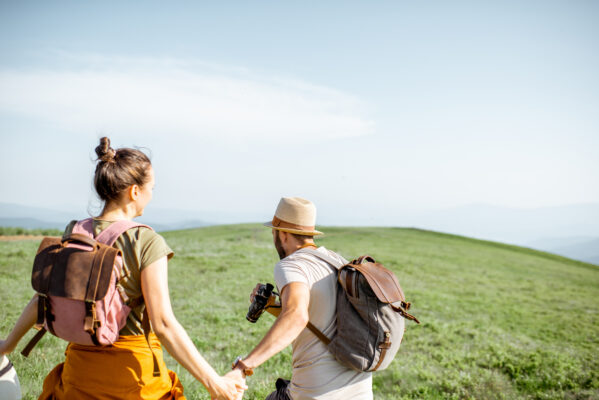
(295, 299)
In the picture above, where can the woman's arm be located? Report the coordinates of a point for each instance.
(24, 323)
(154, 284)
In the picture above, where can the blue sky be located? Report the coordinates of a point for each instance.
(408, 106)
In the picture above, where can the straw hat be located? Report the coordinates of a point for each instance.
(295, 215)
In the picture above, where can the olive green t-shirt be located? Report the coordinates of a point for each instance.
(140, 247)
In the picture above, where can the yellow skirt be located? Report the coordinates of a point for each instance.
(121, 371)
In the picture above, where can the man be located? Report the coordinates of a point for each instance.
(308, 289)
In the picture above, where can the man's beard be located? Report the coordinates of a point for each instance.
(279, 246)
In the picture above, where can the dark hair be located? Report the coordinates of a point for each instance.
(301, 238)
(118, 169)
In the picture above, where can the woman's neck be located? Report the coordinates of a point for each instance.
(117, 212)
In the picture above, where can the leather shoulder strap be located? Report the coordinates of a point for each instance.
(318, 334)
(25, 352)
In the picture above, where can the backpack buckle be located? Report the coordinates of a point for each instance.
(90, 316)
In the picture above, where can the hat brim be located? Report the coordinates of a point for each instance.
(295, 231)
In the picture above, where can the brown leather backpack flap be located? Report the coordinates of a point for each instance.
(73, 272)
(48, 241)
(383, 282)
(44, 257)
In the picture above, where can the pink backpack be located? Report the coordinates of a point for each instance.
(76, 280)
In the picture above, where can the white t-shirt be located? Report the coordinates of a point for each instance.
(316, 373)
(9, 382)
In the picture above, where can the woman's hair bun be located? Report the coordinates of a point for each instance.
(104, 151)
(118, 170)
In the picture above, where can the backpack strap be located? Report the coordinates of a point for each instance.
(335, 264)
(109, 235)
(323, 338)
(403, 310)
(348, 285)
(84, 227)
(325, 257)
(25, 352)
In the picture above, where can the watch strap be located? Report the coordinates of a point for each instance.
(247, 371)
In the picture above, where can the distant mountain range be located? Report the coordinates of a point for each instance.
(15, 215)
(580, 248)
(513, 225)
(571, 231)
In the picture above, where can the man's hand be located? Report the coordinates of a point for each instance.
(272, 300)
(253, 294)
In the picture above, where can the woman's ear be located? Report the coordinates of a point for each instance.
(133, 192)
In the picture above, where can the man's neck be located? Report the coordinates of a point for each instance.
(306, 245)
(301, 246)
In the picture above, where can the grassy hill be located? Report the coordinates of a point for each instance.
(498, 321)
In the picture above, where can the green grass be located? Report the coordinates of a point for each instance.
(498, 321)
(10, 231)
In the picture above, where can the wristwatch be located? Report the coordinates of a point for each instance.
(238, 363)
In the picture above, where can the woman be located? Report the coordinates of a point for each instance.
(124, 180)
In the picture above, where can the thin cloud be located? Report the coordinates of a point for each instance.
(180, 98)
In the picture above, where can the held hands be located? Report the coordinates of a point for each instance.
(227, 388)
(237, 376)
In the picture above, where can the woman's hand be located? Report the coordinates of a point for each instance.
(228, 387)
(237, 375)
